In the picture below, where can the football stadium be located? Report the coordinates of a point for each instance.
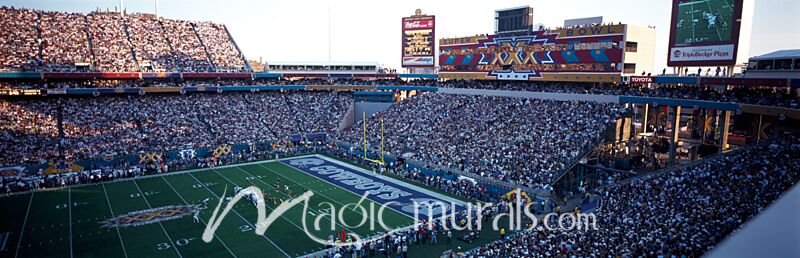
(150, 130)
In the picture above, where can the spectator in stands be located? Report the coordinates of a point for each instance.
(110, 44)
(685, 212)
(153, 52)
(19, 41)
(224, 55)
(190, 54)
(525, 141)
(112, 126)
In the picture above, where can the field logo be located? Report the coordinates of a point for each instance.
(150, 216)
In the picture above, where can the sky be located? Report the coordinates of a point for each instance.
(369, 31)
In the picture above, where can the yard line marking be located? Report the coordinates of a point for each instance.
(289, 197)
(23, 225)
(296, 184)
(692, 3)
(730, 6)
(69, 202)
(693, 25)
(201, 220)
(326, 182)
(7, 235)
(239, 215)
(108, 201)
(271, 209)
(159, 223)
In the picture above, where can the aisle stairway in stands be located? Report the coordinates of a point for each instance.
(60, 125)
(163, 33)
(261, 115)
(137, 119)
(585, 152)
(333, 100)
(40, 55)
(89, 40)
(292, 108)
(205, 48)
(203, 119)
(130, 44)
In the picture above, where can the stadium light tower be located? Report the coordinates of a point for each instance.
(121, 8)
(156, 9)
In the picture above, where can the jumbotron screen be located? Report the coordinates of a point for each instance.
(704, 21)
(704, 32)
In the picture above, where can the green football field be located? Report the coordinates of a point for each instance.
(69, 222)
(44, 224)
(693, 25)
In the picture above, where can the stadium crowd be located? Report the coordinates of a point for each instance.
(34, 40)
(149, 43)
(766, 96)
(110, 44)
(65, 43)
(682, 213)
(224, 54)
(19, 41)
(83, 128)
(519, 140)
(190, 54)
(29, 131)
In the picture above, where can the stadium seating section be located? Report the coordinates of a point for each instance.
(525, 141)
(683, 213)
(34, 131)
(34, 40)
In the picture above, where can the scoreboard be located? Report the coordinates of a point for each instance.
(418, 39)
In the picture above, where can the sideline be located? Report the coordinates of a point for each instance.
(149, 176)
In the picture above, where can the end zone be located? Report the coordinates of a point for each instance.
(381, 189)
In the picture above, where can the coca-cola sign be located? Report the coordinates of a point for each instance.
(418, 24)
